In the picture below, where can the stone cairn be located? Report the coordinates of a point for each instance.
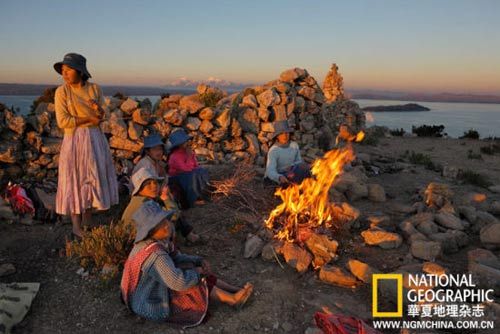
(225, 128)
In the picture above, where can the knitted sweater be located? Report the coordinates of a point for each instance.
(71, 102)
(280, 158)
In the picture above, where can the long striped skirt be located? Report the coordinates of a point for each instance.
(87, 177)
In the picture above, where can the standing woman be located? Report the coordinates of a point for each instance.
(87, 178)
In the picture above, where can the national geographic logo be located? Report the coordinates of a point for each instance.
(387, 279)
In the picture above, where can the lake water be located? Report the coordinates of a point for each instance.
(456, 117)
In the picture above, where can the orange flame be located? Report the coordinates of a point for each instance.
(308, 203)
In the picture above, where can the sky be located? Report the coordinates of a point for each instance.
(420, 46)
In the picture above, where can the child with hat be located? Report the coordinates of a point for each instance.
(152, 155)
(284, 162)
(184, 171)
(161, 284)
(146, 186)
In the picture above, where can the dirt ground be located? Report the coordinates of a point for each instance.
(284, 301)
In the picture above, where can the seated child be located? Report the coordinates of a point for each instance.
(161, 284)
(184, 171)
(152, 155)
(147, 187)
(284, 163)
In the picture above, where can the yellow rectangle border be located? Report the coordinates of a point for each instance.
(375, 279)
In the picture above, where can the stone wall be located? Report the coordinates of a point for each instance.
(225, 128)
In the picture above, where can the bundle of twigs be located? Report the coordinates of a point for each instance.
(241, 190)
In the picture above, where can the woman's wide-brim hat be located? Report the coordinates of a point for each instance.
(281, 127)
(141, 176)
(76, 62)
(178, 138)
(147, 217)
(152, 141)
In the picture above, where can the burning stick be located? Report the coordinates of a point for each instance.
(307, 205)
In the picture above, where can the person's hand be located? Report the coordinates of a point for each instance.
(94, 120)
(283, 180)
(164, 193)
(94, 106)
(205, 265)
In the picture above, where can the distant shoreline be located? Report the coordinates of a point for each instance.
(441, 98)
(10, 89)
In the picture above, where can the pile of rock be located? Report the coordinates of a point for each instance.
(42, 142)
(225, 128)
(126, 123)
(11, 132)
(333, 85)
(239, 126)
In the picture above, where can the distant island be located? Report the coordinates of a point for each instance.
(399, 107)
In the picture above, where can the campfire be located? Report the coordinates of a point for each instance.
(306, 207)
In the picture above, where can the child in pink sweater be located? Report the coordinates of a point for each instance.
(184, 172)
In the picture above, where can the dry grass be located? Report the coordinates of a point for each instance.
(103, 245)
(242, 191)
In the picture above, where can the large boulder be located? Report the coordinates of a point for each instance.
(449, 220)
(125, 144)
(129, 106)
(322, 248)
(490, 235)
(425, 250)
(292, 75)
(381, 238)
(268, 98)
(337, 276)
(191, 103)
(361, 270)
(297, 257)
(249, 120)
(223, 120)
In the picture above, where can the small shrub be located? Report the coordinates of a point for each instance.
(373, 135)
(474, 178)
(370, 140)
(490, 149)
(120, 96)
(249, 91)
(103, 245)
(211, 97)
(471, 134)
(422, 159)
(487, 150)
(428, 130)
(472, 155)
(47, 97)
(397, 132)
